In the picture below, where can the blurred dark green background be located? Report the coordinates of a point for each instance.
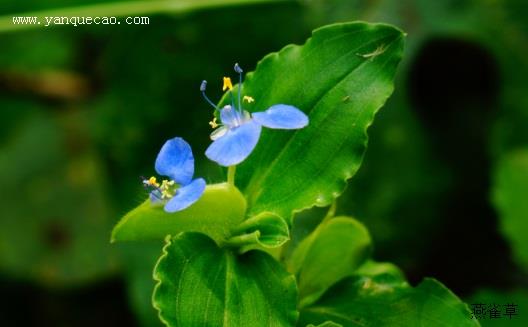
(85, 110)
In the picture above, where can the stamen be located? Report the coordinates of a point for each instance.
(165, 184)
(160, 192)
(166, 195)
(227, 84)
(239, 71)
(153, 187)
(213, 123)
(151, 182)
(248, 99)
(165, 188)
(203, 86)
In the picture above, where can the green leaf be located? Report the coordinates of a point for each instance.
(220, 208)
(510, 190)
(384, 300)
(372, 268)
(326, 324)
(333, 251)
(265, 230)
(200, 284)
(340, 78)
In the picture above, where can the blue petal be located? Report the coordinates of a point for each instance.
(176, 161)
(185, 196)
(236, 145)
(281, 116)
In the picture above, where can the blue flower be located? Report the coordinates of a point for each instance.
(176, 161)
(239, 131)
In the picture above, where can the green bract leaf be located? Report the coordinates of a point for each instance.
(387, 301)
(200, 284)
(511, 189)
(220, 208)
(333, 251)
(340, 78)
(265, 230)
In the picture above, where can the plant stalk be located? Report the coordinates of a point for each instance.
(231, 175)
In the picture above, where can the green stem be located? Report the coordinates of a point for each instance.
(241, 240)
(125, 8)
(331, 212)
(231, 175)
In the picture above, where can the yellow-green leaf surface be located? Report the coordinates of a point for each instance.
(220, 208)
(200, 284)
(340, 78)
(334, 250)
(510, 197)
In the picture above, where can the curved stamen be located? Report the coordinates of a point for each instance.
(228, 85)
(151, 188)
(203, 87)
(239, 71)
(233, 100)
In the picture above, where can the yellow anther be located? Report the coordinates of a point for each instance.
(227, 84)
(165, 188)
(152, 181)
(213, 123)
(165, 184)
(248, 99)
(165, 194)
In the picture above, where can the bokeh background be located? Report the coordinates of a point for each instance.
(443, 187)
